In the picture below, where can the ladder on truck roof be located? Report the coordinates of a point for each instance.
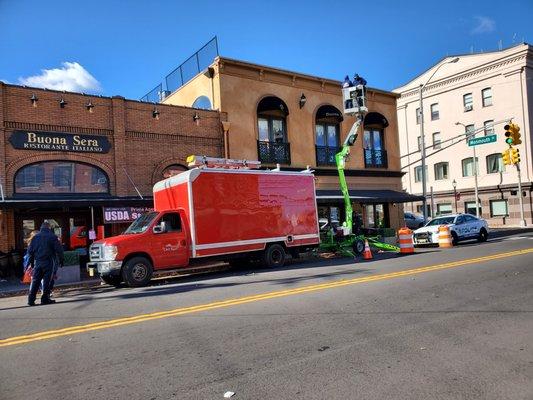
(229, 163)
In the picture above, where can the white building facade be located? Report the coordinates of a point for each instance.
(481, 93)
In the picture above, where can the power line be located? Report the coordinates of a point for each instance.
(467, 136)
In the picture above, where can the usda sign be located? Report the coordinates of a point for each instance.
(482, 140)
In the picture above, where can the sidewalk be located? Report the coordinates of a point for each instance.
(13, 286)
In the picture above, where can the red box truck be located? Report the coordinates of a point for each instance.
(227, 214)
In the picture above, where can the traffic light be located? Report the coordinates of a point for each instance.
(515, 130)
(512, 134)
(508, 134)
(515, 156)
(506, 157)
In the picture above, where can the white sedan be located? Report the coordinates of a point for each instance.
(462, 227)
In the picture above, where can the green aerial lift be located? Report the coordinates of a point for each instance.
(343, 240)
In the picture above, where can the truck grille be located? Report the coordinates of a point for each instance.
(95, 252)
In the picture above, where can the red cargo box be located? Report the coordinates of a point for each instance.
(232, 211)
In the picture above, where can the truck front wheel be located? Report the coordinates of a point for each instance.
(274, 256)
(137, 271)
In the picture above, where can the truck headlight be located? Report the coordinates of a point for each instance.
(110, 252)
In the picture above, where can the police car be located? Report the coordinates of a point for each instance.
(462, 227)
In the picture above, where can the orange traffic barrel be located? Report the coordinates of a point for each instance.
(367, 254)
(405, 238)
(445, 237)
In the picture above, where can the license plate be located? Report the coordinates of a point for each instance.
(422, 240)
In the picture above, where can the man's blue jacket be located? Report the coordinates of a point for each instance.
(45, 249)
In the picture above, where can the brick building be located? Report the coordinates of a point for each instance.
(68, 157)
(295, 120)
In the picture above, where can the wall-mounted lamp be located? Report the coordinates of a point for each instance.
(302, 101)
(89, 106)
(34, 99)
(62, 103)
(155, 113)
(196, 117)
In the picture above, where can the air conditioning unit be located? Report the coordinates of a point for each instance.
(469, 108)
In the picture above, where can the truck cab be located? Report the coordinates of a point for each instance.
(156, 240)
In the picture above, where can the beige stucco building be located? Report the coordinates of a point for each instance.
(296, 120)
(482, 92)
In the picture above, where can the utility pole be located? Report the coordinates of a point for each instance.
(423, 155)
(520, 199)
(422, 139)
(476, 188)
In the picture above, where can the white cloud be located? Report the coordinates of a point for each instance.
(71, 77)
(4, 80)
(483, 25)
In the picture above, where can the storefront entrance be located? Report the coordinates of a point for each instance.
(71, 227)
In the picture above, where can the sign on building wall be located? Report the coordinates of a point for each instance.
(118, 215)
(53, 141)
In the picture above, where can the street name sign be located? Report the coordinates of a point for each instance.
(482, 140)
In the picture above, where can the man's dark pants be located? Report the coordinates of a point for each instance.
(41, 272)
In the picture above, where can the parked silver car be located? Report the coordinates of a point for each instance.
(413, 221)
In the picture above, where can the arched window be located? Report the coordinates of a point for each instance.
(60, 177)
(202, 102)
(327, 134)
(173, 169)
(373, 140)
(273, 146)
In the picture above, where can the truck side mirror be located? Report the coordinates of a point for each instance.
(160, 228)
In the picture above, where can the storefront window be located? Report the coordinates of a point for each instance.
(59, 177)
(375, 216)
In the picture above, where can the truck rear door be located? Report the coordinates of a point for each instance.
(169, 246)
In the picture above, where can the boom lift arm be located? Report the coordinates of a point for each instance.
(340, 159)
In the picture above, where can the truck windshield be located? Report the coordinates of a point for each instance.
(141, 224)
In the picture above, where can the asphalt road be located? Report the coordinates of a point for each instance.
(451, 324)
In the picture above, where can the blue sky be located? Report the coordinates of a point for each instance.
(126, 47)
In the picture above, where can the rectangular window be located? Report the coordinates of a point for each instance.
(419, 209)
(441, 171)
(468, 166)
(373, 139)
(434, 111)
(320, 135)
(469, 132)
(488, 127)
(498, 208)
(486, 95)
(332, 136)
(278, 130)
(495, 163)
(62, 176)
(470, 208)
(418, 115)
(97, 177)
(418, 174)
(436, 140)
(30, 177)
(468, 102)
(443, 209)
(263, 130)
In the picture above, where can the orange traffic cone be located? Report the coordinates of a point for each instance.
(367, 254)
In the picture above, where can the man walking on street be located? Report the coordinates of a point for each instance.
(44, 250)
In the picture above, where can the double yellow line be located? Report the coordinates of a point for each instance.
(243, 300)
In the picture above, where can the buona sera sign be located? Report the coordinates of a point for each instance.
(117, 215)
(59, 142)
